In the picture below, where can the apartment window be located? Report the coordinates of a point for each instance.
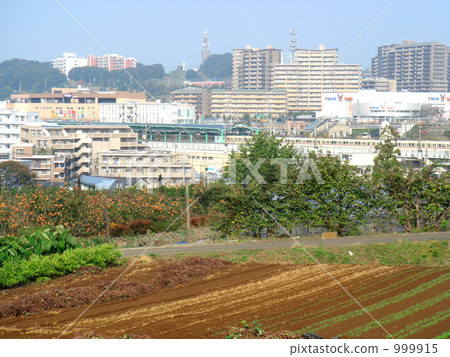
(20, 151)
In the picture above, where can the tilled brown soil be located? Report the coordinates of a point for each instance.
(282, 297)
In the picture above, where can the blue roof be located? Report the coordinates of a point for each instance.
(100, 183)
(311, 126)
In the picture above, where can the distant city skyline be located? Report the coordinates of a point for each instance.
(172, 32)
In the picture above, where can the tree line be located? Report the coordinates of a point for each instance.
(28, 76)
(272, 187)
(19, 75)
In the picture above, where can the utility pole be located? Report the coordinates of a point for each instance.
(420, 143)
(188, 215)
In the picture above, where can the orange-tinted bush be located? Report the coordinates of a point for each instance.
(200, 220)
(140, 226)
(118, 229)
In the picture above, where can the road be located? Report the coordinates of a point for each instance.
(190, 248)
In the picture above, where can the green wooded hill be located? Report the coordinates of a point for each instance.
(28, 76)
(19, 75)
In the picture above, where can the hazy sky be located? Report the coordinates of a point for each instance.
(171, 31)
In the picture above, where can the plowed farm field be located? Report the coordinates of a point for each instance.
(409, 302)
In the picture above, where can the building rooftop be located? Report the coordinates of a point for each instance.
(99, 183)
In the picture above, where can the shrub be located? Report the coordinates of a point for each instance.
(118, 229)
(83, 212)
(140, 226)
(13, 248)
(51, 240)
(40, 242)
(200, 220)
(26, 270)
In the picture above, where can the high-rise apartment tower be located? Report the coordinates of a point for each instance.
(417, 67)
(252, 67)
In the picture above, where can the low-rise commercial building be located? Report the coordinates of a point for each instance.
(149, 112)
(384, 105)
(70, 104)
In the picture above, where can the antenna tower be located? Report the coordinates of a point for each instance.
(293, 45)
(205, 51)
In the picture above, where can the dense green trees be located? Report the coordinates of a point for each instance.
(122, 79)
(14, 174)
(28, 76)
(193, 76)
(33, 76)
(272, 185)
(218, 66)
(337, 202)
(416, 199)
(261, 165)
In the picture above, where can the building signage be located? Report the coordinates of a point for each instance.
(338, 97)
(67, 114)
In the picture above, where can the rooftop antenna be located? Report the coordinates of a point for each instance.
(205, 51)
(293, 45)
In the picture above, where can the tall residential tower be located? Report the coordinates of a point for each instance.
(417, 67)
(252, 67)
(312, 73)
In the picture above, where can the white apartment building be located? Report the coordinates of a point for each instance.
(148, 112)
(10, 123)
(313, 73)
(149, 168)
(68, 61)
(257, 103)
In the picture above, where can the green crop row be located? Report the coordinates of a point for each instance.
(362, 298)
(443, 336)
(399, 315)
(379, 305)
(423, 324)
(39, 267)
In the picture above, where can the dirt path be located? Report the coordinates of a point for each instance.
(281, 296)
